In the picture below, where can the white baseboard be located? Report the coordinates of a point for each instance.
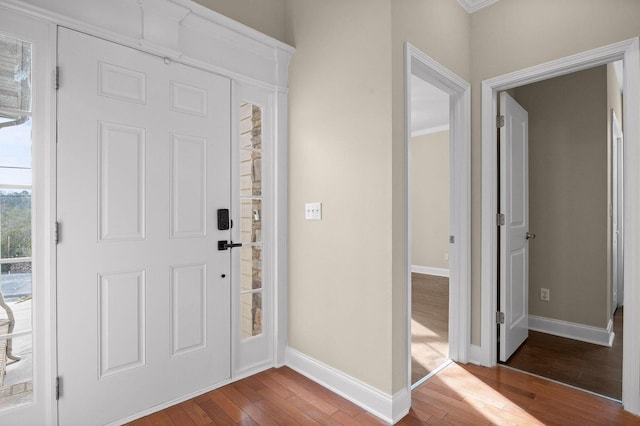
(475, 355)
(428, 270)
(390, 408)
(570, 330)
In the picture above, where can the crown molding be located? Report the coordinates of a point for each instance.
(475, 5)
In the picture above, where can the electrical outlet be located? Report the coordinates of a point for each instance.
(544, 294)
(446, 257)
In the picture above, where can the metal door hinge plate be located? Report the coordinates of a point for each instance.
(499, 317)
(58, 387)
(500, 219)
(500, 121)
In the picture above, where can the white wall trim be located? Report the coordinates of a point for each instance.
(430, 130)
(628, 51)
(475, 354)
(390, 408)
(572, 330)
(421, 65)
(193, 40)
(475, 5)
(428, 270)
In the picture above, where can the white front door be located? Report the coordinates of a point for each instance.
(143, 291)
(514, 205)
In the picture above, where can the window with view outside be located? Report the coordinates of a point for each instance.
(251, 220)
(15, 223)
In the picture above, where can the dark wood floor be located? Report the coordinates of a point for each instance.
(458, 394)
(584, 365)
(429, 324)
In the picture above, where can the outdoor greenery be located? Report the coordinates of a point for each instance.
(15, 227)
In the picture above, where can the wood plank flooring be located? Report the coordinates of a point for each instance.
(459, 394)
(429, 324)
(584, 365)
(473, 395)
(274, 397)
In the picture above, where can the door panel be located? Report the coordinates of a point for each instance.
(514, 246)
(143, 292)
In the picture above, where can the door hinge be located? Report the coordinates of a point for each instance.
(58, 387)
(500, 219)
(452, 239)
(500, 121)
(57, 79)
(56, 233)
(499, 317)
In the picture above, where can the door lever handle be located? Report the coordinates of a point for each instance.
(224, 245)
(530, 236)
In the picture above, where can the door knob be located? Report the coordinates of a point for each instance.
(530, 236)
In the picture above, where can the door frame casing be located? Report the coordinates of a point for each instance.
(617, 171)
(628, 51)
(421, 65)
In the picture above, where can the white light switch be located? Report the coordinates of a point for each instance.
(313, 211)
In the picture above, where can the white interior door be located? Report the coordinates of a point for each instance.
(514, 204)
(143, 291)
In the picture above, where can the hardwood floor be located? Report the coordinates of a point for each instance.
(458, 394)
(429, 324)
(273, 397)
(473, 395)
(584, 365)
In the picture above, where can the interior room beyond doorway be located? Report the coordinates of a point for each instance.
(429, 200)
(574, 313)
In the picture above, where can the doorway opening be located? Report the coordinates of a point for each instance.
(571, 324)
(628, 52)
(429, 201)
(445, 335)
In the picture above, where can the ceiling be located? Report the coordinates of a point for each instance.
(474, 5)
(429, 107)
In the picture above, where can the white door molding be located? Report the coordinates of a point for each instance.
(628, 51)
(424, 67)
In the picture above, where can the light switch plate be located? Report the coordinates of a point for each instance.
(313, 211)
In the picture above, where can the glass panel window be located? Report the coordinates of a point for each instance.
(16, 362)
(251, 202)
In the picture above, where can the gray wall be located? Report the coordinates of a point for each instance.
(568, 196)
